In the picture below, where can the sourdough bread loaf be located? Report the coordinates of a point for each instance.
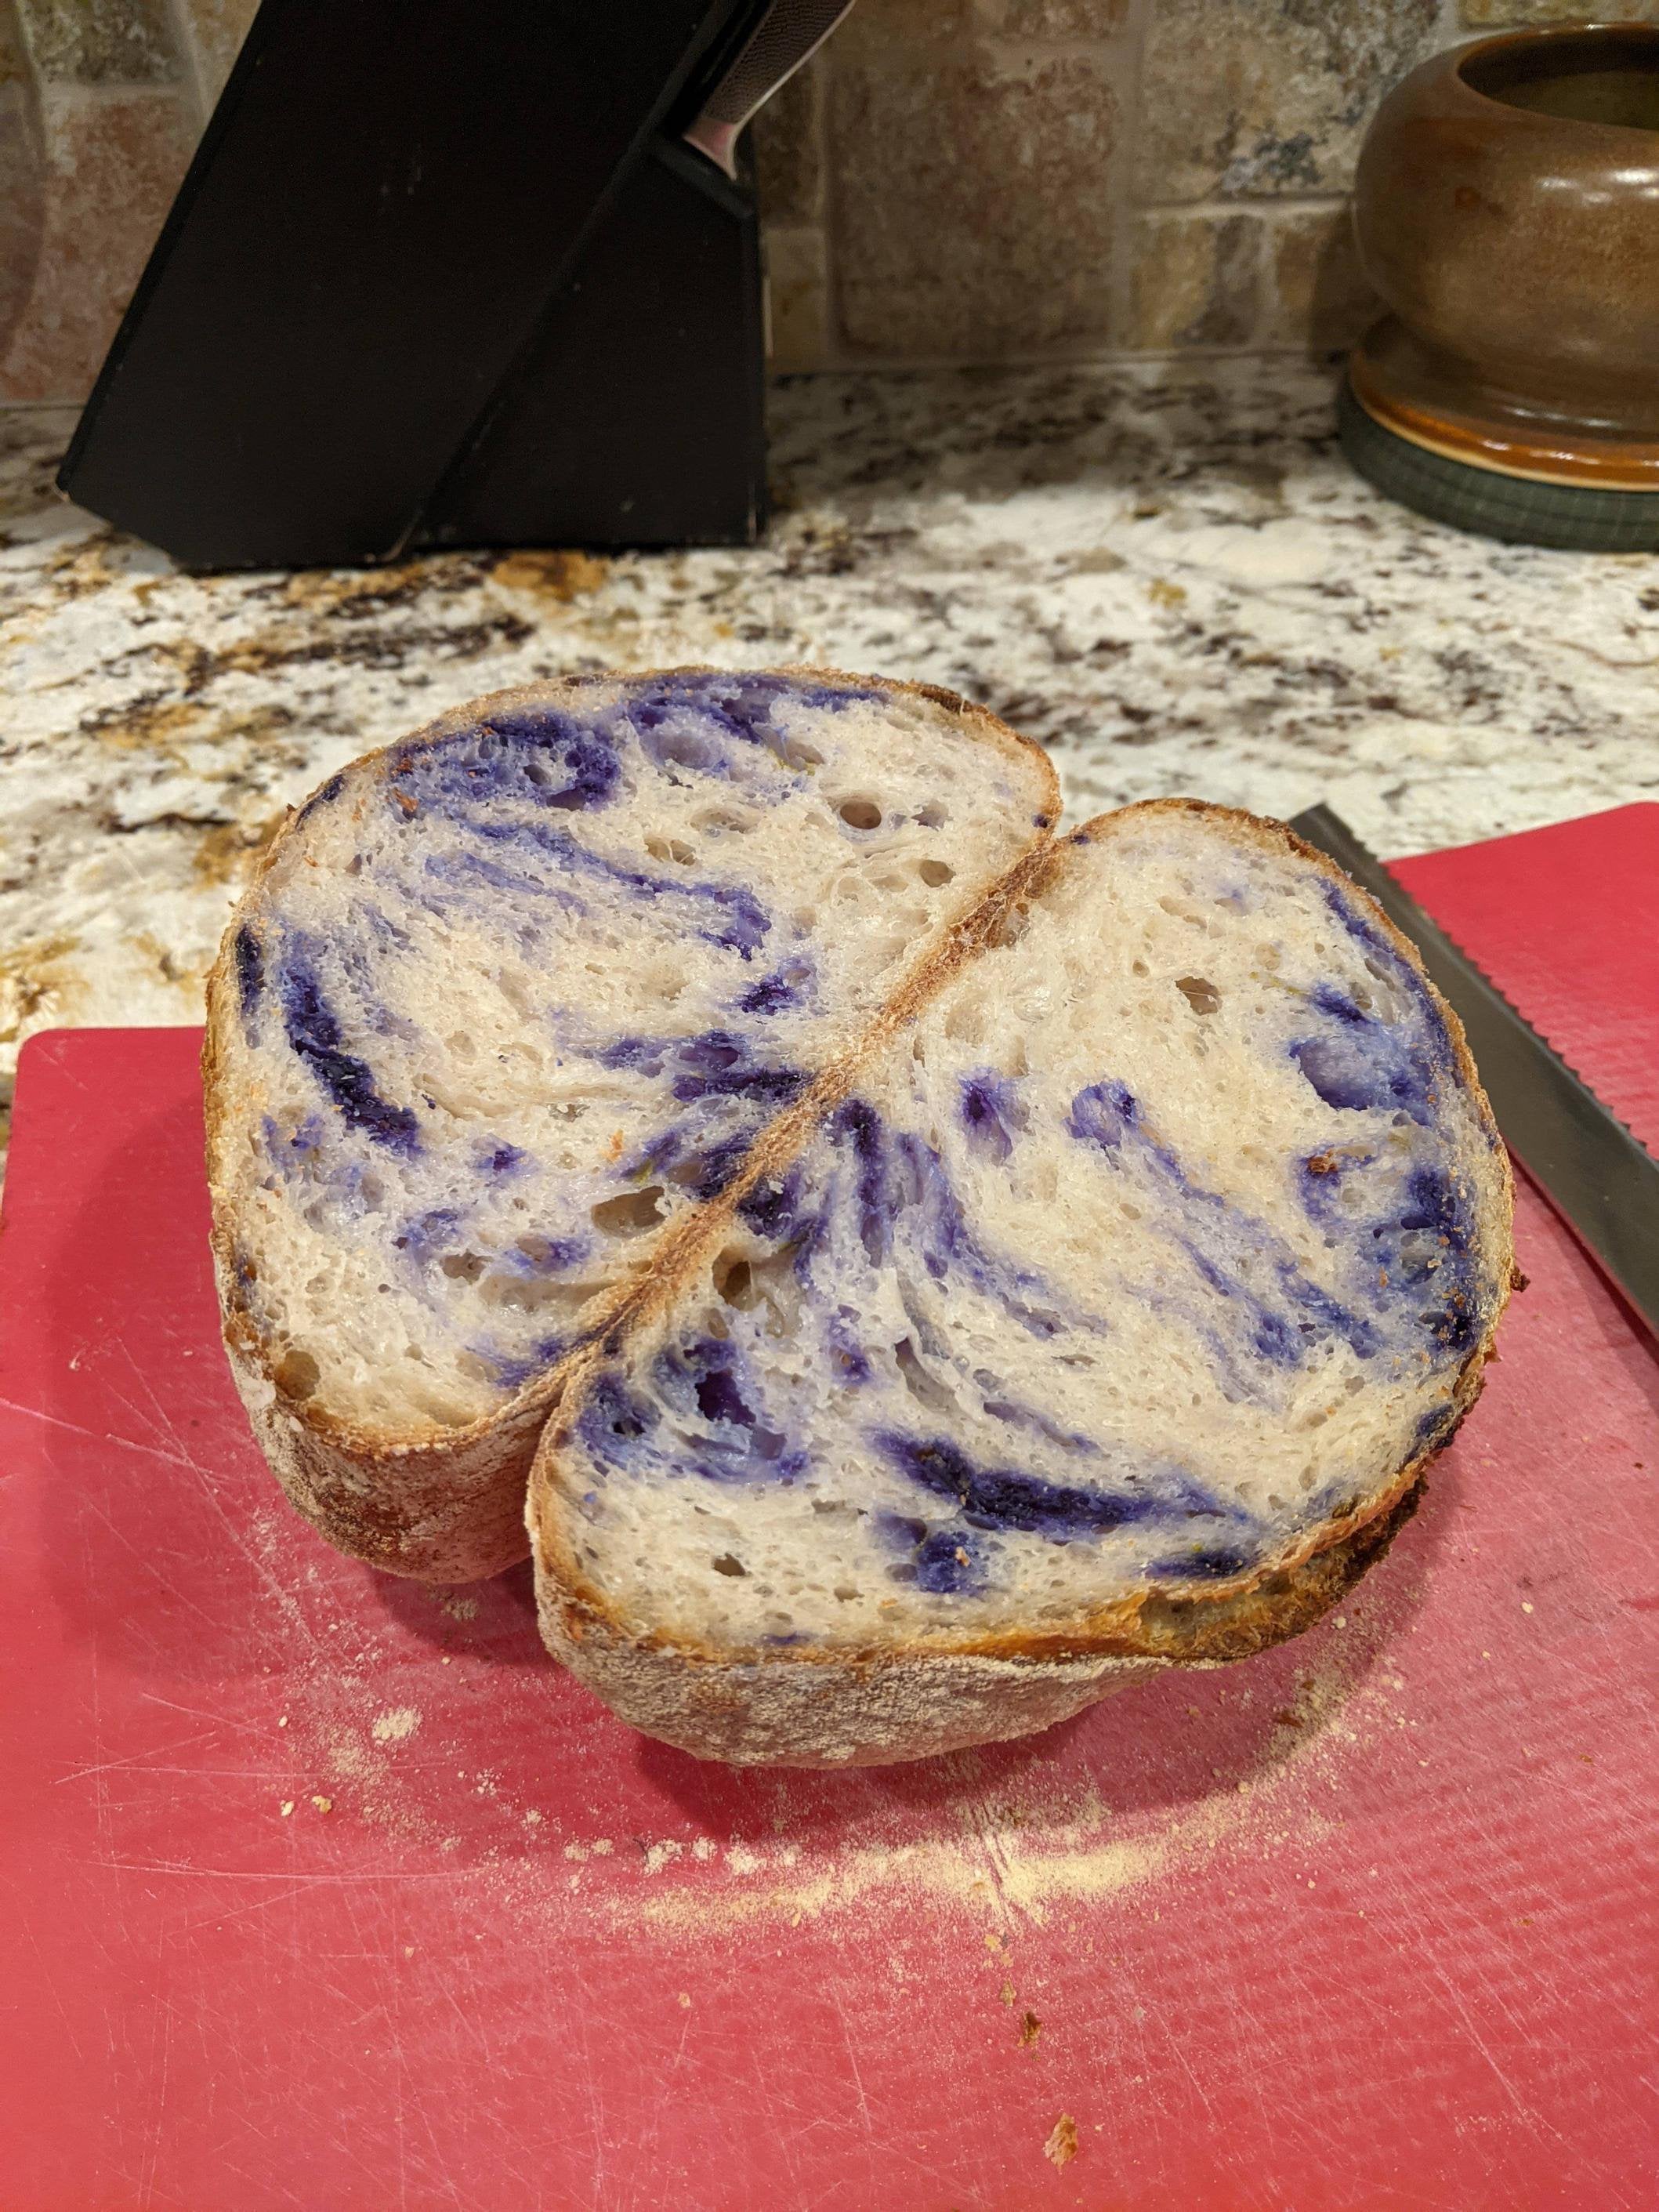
(939, 1272)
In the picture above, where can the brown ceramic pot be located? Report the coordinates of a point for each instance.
(1507, 210)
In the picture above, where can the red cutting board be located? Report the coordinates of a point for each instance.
(1367, 1922)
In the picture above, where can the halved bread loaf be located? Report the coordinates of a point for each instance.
(509, 999)
(1104, 1320)
(948, 1273)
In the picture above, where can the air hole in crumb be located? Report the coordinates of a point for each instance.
(1203, 998)
(729, 1564)
(540, 1251)
(933, 815)
(631, 1214)
(533, 1294)
(671, 848)
(934, 872)
(298, 1374)
(917, 1382)
(463, 1266)
(859, 813)
(734, 1281)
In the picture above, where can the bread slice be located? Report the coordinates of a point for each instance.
(509, 1001)
(1104, 1316)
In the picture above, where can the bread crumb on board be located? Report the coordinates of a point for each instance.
(393, 1727)
(1062, 2146)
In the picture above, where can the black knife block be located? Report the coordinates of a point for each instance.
(444, 276)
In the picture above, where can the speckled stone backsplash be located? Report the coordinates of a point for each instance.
(970, 180)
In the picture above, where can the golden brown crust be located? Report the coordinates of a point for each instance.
(448, 1503)
(820, 1709)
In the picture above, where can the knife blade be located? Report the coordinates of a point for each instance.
(1599, 1179)
(788, 33)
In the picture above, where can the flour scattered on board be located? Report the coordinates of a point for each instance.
(1009, 1872)
(1014, 1860)
(1013, 1855)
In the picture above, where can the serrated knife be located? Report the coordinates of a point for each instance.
(1600, 1180)
(789, 33)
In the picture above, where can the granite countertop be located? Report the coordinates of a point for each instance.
(1167, 574)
